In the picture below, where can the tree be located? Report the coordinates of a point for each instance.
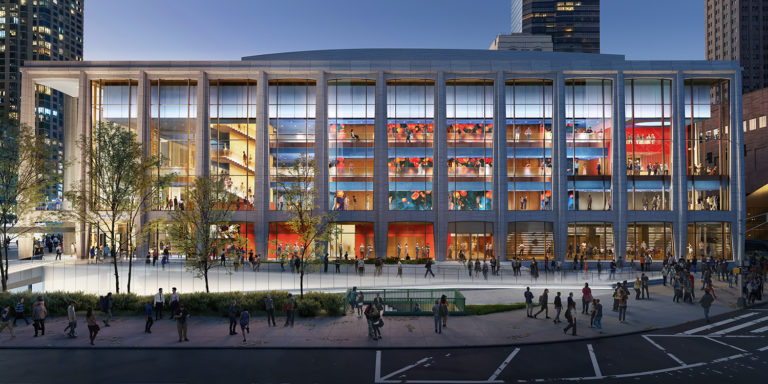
(118, 185)
(202, 228)
(314, 226)
(25, 175)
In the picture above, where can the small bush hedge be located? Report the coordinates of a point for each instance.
(198, 303)
(478, 310)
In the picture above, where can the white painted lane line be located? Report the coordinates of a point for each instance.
(450, 381)
(740, 326)
(719, 323)
(594, 361)
(671, 356)
(377, 374)
(652, 342)
(717, 336)
(401, 370)
(763, 349)
(726, 344)
(760, 330)
(504, 364)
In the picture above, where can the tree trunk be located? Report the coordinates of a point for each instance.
(205, 274)
(301, 279)
(4, 266)
(114, 260)
(130, 258)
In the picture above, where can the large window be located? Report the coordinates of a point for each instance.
(233, 138)
(471, 240)
(529, 144)
(649, 239)
(174, 115)
(410, 136)
(588, 113)
(291, 132)
(707, 116)
(283, 241)
(531, 239)
(352, 241)
(351, 113)
(469, 109)
(410, 240)
(649, 143)
(592, 241)
(707, 240)
(114, 101)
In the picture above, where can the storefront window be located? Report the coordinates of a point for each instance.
(469, 109)
(410, 137)
(529, 144)
(411, 240)
(707, 240)
(592, 241)
(649, 239)
(588, 113)
(352, 241)
(233, 138)
(283, 241)
(470, 240)
(291, 132)
(707, 116)
(351, 114)
(649, 143)
(529, 240)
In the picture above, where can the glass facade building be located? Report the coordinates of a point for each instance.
(445, 154)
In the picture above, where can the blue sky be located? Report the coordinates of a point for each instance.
(195, 30)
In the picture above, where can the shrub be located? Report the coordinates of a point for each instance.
(308, 307)
(331, 303)
(477, 310)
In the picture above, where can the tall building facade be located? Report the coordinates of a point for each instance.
(737, 30)
(516, 25)
(440, 153)
(573, 25)
(39, 30)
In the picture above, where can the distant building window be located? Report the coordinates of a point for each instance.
(763, 122)
(745, 125)
(752, 124)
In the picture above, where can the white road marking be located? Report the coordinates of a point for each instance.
(450, 381)
(713, 336)
(652, 342)
(671, 356)
(760, 330)
(741, 326)
(763, 349)
(401, 370)
(726, 344)
(377, 374)
(594, 361)
(504, 364)
(719, 323)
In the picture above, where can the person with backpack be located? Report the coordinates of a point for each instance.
(528, 302)
(93, 326)
(544, 304)
(245, 323)
(233, 318)
(148, 316)
(269, 307)
(290, 310)
(106, 303)
(39, 313)
(570, 317)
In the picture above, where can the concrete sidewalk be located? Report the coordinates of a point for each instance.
(350, 331)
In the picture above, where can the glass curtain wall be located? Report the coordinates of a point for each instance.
(114, 101)
(471, 240)
(172, 133)
(410, 137)
(283, 241)
(707, 240)
(588, 116)
(530, 239)
(291, 132)
(648, 113)
(529, 144)
(233, 138)
(410, 240)
(351, 114)
(469, 109)
(353, 241)
(707, 116)
(591, 241)
(649, 239)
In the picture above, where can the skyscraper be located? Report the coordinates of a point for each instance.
(44, 30)
(517, 16)
(737, 30)
(573, 25)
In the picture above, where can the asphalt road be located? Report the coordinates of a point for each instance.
(732, 349)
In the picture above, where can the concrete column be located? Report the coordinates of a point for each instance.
(440, 173)
(500, 168)
(261, 175)
(380, 170)
(83, 129)
(144, 135)
(679, 168)
(202, 127)
(28, 121)
(736, 189)
(618, 172)
(559, 177)
(321, 142)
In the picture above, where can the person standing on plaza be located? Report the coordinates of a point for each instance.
(233, 318)
(399, 269)
(325, 263)
(558, 307)
(360, 303)
(245, 323)
(598, 314)
(181, 316)
(148, 317)
(664, 273)
(173, 302)
(528, 302)
(72, 319)
(5, 320)
(337, 263)
(269, 307)
(644, 286)
(586, 298)
(93, 326)
(352, 299)
(570, 317)
(569, 300)
(20, 312)
(106, 308)
(436, 316)
(159, 300)
(623, 298)
(544, 304)
(706, 303)
(290, 310)
(444, 310)
(637, 287)
(39, 313)
(612, 274)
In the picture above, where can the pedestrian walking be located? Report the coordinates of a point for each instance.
(173, 302)
(558, 307)
(598, 314)
(544, 304)
(269, 307)
(706, 303)
(182, 317)
(570, 317)
(644, 286)
(20, 312)
(245, 323)
(39, 313)
(233, 318)
(444, 311)
(290, 310)
(637, 287)
(352, 299)
(436, 316)
(399, 269)
(528, 302)
(617, 292)
(148, 317)
(360, 303)
(72, 320)
(159, 299)
(325, 263)
(428, 266)
(623, 298)
(106, 304)
(586, 298)
(93, 326)
(5, 320)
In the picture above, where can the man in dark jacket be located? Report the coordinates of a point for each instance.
(558, 308)
(543, 303)
(233, 318)
(706, 303)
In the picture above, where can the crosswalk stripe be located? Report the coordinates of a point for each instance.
(760, 330)
(740, 326)
(719, 323)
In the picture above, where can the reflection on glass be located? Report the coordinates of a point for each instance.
(470, 241)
